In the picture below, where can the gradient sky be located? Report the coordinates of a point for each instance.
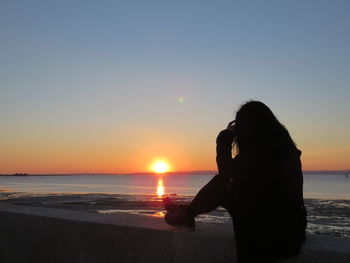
(109, 86)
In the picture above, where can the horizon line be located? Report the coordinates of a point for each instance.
(189, 172)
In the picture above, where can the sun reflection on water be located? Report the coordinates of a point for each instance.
(158, 214)
(160, 187)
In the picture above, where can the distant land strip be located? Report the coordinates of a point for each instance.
(197, 172)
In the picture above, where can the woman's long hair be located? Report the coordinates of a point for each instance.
(259, 132)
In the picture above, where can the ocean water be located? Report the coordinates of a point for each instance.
(328, 186)
(327, 196)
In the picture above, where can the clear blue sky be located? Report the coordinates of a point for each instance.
(95, 85)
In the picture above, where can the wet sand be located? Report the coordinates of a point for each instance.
(325, 217)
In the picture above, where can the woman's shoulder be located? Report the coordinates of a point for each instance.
(292, 154)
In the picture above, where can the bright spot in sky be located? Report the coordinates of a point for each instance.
(160, 167)
(181, 99)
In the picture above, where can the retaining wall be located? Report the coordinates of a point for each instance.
(38, 234)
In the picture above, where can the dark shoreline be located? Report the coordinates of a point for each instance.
(325, 216)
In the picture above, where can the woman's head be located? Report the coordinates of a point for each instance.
(258, 130)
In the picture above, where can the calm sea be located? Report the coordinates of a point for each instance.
(325, 186)
(327, 196)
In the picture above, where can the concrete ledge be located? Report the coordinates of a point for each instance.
(37, 234)
(324, 249)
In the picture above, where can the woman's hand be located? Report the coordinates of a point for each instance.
(226, 137)
(224, 143)
(231, 125)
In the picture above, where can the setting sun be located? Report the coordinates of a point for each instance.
(160, 167)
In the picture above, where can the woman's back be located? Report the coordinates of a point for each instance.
(267, 206)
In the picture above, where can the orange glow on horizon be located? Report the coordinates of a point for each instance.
(84, 155)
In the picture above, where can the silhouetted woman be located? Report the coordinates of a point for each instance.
(261, 187)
